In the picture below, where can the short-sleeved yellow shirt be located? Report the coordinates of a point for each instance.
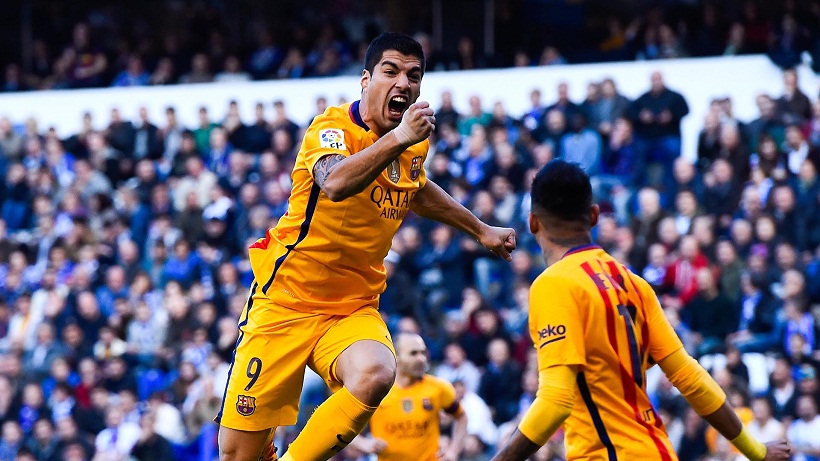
(327, 257)
(408, 419)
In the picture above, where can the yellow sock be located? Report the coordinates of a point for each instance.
(332, 426)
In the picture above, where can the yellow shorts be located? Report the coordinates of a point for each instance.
(274, 346)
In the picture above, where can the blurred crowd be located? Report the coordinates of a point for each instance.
(168, 42)
(123, 263)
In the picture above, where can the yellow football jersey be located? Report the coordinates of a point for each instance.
(327, 257)
(408, 419)
(591, 311)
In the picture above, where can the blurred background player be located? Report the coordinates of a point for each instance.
(406, 426)
(597, 327)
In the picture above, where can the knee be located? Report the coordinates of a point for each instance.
(233, 448)
(235, 453)
(370, 383)
(229, 453)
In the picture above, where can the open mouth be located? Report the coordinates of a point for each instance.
(396, 106)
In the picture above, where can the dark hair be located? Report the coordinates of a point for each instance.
(562, 190)
(394, 41)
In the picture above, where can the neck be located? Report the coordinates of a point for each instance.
(556, 248)
(554, 254)
(367, 118)
(403, 380)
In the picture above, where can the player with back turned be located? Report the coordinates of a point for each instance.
(597, 327)
(318, 274)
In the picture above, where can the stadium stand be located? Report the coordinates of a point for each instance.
(122, 250)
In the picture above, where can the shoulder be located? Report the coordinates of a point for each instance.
(638, 282)
(554, 276)
(333, 117)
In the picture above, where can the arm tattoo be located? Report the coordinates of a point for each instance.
(322, 168)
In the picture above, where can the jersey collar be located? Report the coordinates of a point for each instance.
(353, 111)
(580, 248)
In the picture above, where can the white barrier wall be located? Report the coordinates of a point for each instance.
(699, 80)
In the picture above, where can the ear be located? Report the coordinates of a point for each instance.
(594, 212)
(535, 225)
(365, 80)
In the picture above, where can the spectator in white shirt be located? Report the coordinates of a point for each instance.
(169, 423)
(456, 367)
(115, 442)
(479, 417)
(764, 427)
(804, 433)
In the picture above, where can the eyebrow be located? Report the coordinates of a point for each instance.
(396, 66)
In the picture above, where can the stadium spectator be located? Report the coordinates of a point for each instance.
(709, 314)
(500, 385)
(232, 71)
(118, 438)
(86, 65)
(479, 419)
(11, 440)
(200, 70)
(802, 432)
(456, 367)
(150, 444)
(657, 115)
(136, 189)
(133, 75)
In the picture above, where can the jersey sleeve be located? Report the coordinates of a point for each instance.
(325, 136)
(447, 399)
(662, 337)
(556, 326)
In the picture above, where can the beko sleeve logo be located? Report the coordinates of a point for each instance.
(551, 333)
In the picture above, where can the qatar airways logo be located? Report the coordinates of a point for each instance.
(393, 204)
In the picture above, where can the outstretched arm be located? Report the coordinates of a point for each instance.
(552, 405)
(432, 202)
(369, 445)
(459, 435)
(709, 401)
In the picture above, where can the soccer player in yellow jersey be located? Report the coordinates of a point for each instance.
(597, 327)
(318, 273)
(406, 425)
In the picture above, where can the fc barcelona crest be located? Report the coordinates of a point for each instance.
(427, 404)
(394, 171)
(407, 405)
(245, 405)
(415, 168)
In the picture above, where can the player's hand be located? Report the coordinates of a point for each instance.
(372, 445)
(448, 455)
(417, 123)
(499, 240)
(777, 451)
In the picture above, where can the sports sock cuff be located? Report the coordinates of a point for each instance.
(353, 407)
